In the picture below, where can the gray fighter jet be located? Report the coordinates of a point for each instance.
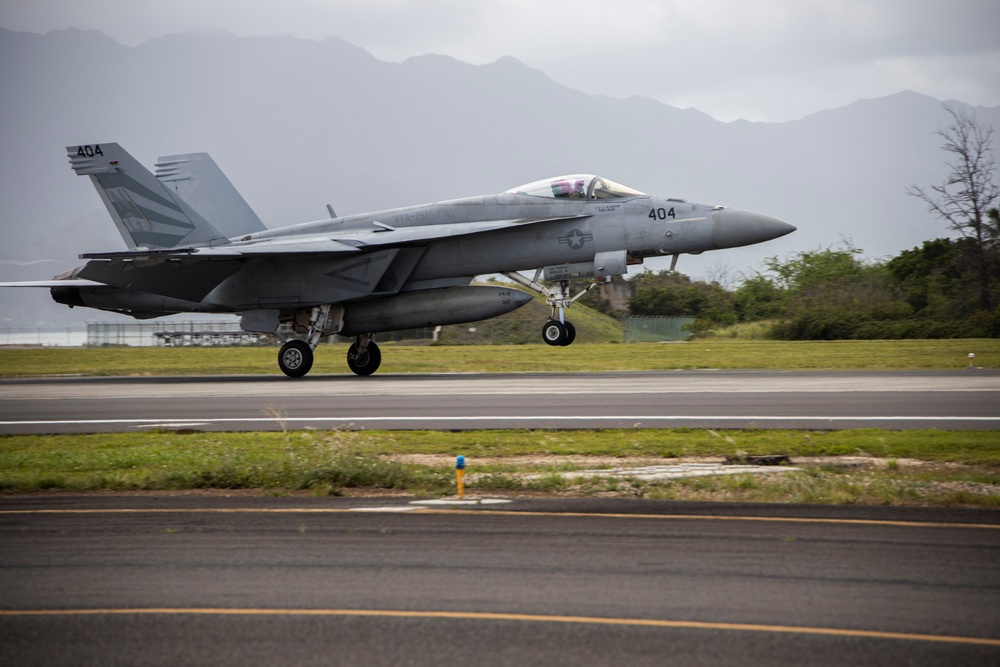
(195, 246)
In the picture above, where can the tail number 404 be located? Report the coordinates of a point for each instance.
(89, 151)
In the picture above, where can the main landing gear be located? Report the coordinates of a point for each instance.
(364, 357)
(296, 356)
(558, 330)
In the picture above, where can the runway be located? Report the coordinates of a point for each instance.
(254, 581)
(949, 400)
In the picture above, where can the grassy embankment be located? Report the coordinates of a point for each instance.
(911, 467)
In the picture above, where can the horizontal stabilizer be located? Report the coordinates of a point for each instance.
(189, 280)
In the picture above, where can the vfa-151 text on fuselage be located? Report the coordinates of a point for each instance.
(195, 246)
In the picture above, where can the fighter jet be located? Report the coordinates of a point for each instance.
(195, 246)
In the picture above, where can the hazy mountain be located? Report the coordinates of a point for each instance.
(297, 124)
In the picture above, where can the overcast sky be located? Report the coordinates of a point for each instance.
(768, 60)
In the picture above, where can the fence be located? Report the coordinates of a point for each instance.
(656, 329)
(167, 334)
(46, 336)
(197, 333)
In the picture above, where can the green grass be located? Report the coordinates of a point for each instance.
(829, 486)
(961, 468)
(164, 461)
(968, 447)
(396, 358)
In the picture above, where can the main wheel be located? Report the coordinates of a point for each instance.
(570, 332)
(364, 363)
(295, 358)
(554, 332)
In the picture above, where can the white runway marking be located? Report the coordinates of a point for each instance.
(465, 501)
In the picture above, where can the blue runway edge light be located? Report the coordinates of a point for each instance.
(460, 463)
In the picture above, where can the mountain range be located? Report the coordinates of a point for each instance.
(298, 124)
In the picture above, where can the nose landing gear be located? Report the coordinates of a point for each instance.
(558, 333)
(558, 330)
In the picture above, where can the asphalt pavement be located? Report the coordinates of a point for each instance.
(947, 400)
(161, 579)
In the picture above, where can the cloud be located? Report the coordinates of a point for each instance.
(763, 60)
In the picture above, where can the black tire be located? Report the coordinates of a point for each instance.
(365, 363)
(295, 358)
(554, 333)
(570, 333)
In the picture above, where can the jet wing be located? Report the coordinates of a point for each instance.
(292, 245)
(73, 282)
(387, 235)
(191, 273)
(348, 240)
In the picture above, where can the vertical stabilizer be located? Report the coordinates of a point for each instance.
(197, 180)
(147, 213)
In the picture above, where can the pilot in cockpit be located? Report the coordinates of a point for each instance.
(563, 190)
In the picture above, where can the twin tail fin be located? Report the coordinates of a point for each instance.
(170, 209)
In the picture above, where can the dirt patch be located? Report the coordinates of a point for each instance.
(591, 462)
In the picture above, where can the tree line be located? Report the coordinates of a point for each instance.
(931, 291)
(945, 288)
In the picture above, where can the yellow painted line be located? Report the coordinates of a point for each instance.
(529, 618)
(513, 513)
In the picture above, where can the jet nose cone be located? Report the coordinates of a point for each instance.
(732, 228)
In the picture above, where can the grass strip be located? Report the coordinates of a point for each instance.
(713, 353)
(955, 468)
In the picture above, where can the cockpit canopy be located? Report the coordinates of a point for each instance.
(576, 186)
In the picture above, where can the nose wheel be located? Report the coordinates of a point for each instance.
(558, 333)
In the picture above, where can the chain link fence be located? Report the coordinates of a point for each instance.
(656, 329)
(227, 333)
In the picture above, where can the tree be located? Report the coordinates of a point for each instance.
(809, 268)
(758, 298)
(966, 196)
(832, 294)
(670, 294)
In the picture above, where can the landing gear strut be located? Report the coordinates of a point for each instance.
(558, 330)
(296, 356)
